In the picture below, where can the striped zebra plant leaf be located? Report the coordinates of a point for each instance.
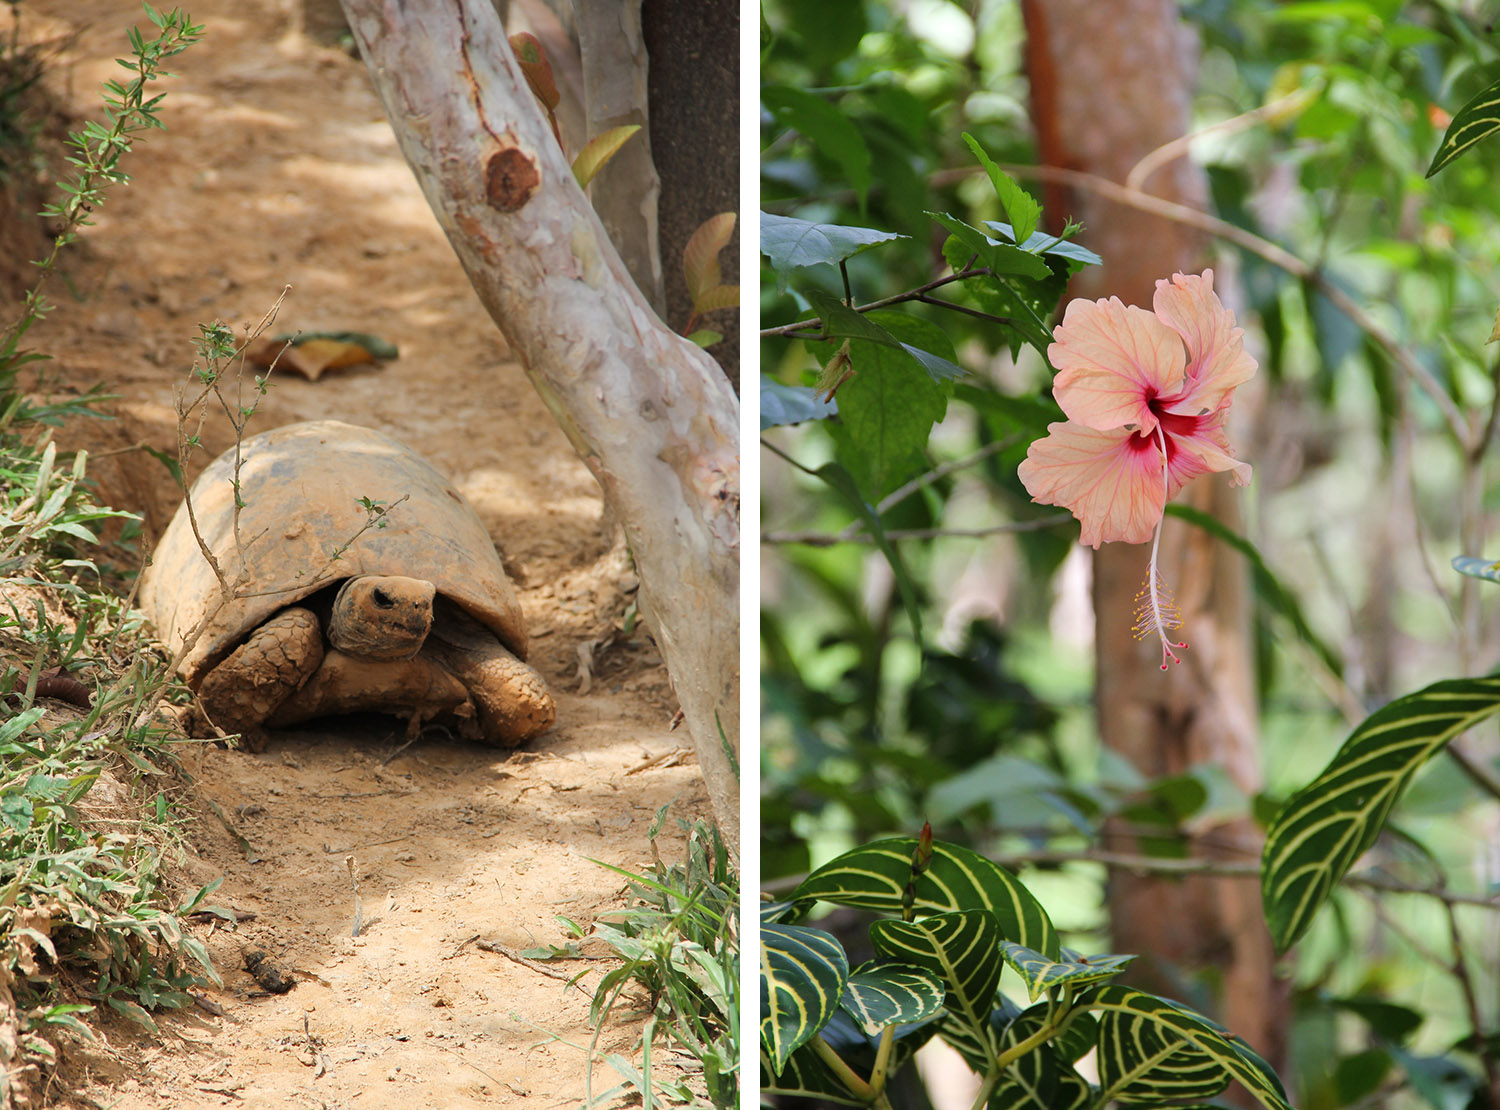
(1476, 567)
(1331, 822)
(1139, 1061)
(802, 977)
(1476, 120)
(1040, 1079)
(875, 876)
(1040, 973)
(881, 993)
(963, 950)
(805, 1073)
(1173, 1023)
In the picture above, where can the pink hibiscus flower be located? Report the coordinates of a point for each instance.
(1146, 396)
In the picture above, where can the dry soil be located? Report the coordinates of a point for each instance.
(278, 169)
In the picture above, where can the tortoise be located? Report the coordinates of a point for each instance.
(415, 617)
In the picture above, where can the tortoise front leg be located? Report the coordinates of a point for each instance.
(245, 689)
(511, 697)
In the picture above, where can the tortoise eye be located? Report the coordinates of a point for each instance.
(383, 600)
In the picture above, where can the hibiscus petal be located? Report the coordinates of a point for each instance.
(1111, 361)
(1110, 480)
(1204, 450)
(1217, 361)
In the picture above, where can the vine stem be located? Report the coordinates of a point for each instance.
(825, 1051)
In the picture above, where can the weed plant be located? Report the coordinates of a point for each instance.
(678, 937)
(85, 920)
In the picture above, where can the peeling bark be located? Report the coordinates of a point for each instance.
(649, 413)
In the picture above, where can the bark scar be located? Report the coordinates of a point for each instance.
(510, 179)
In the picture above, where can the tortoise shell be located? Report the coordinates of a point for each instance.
(301, 486)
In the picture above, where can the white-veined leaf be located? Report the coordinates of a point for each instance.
(1041, 973)
(881, 993)
(962, 950)
(1140, 1061)
(1334, 820)
(1476, 120)
(1040, 1079)
(1172, 1020)
(875, 876)
(1476, 567)
(802, 976)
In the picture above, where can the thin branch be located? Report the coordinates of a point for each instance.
(1460, 970)
(790, 330)
(1170, 151)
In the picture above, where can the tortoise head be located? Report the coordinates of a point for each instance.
(381, 617)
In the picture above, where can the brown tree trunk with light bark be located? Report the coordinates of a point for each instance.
(650, 413)
(1111, 83)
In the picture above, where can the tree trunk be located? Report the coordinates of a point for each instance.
(1135, 97)
(649, 413)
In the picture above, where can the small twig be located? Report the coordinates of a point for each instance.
(511, 954)
(791, 330)
(1460, 971)
(358, 910)
(1176, 148)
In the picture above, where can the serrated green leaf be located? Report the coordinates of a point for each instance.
(881, 993)
(1142, 1061)
(1174, 1021)
(891, 403)
(802, 977)
(1334, 820)
(829, 130)
(1476, 120)
(1039, 242)
(792, 244)
(962, 950)
(873, 877)
(993, 255)
(791, 404)
(1042, 974)
(1475, 567)
(842, 322)
(1021, 209)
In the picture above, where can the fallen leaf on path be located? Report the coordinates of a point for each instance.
(312, 354)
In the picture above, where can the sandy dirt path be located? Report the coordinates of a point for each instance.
(278, 168)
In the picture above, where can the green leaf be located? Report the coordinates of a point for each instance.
(705, 337)
(842, 322)
(1476, 120)
(1042, 974)
(828, 129)
(792, 244)
(842, 482)
(881, 993)
(1475, 567)
(1172, 1022)
(995, 256)
(1020, 208)
(1267, 586)
(791, 404)
(1039, 242)
(962, 950)
(805, 1072)
(802, 976)
(1141, 1061)
(1334, 820)
(1041, 1079)
(873, 878)
(891, 403)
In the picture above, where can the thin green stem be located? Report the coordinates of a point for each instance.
(857, 1086)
